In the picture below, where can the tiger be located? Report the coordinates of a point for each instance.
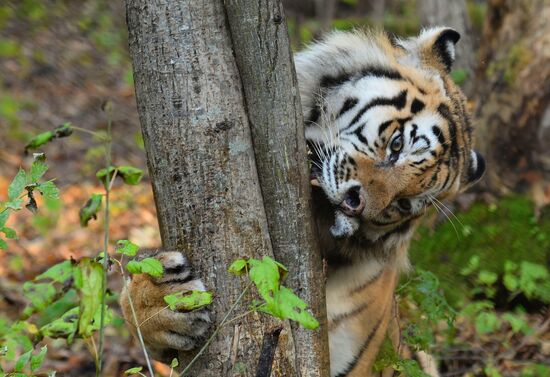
(389, 134)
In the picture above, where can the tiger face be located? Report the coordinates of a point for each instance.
(388, 128)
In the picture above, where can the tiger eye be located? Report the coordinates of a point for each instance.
(397, 144)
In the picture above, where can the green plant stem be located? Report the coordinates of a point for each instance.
(217, 330)
(240, 316)
(86, 131)
(108, 146)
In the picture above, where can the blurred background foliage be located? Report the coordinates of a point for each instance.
(489, 249)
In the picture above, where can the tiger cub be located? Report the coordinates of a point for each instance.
(389, 134)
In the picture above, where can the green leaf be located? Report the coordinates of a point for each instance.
(22, 361)
(60, 272)
(63, 327)
(149, 266)
(510, 282)
(459, 76)
(174, 363)
(127, 248)
(487, 322)
(64, 130)
(49, 190)
(3, 244)
(4, 217)
(280, 301)
(102, 175)
(266, 276)
(187, 301)
(14, 204)
(517, 323)
(36, 360)
(387, 357)
(289, 306)
(9, 232)
(487, 277)
(88, 279)
(38, 168)
(39, 140)
(238, 267)
(90, 209)
(135, 370)
(17, 185)
(39, 294)
(130, 175)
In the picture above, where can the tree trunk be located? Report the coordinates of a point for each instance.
(513, 95)
(453, 13)
(264, 60)
(196, 123)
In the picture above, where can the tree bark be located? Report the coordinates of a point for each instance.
(453, 13)
(196, 123)
(513, 95)
(264, 59)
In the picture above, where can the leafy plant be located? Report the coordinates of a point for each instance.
(278, 300)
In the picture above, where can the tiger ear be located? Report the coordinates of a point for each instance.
(437, 46)
(476, 168)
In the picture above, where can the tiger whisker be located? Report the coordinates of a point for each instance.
(448, 209)
(445, 214)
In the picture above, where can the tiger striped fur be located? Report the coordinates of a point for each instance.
(389, 135)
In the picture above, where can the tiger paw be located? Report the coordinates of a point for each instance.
(165, 331)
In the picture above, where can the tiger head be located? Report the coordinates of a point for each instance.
(388, 127)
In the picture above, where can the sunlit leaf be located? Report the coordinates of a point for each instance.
(187, 301)
(127, 248)
(280, 301)
(149, 266)
(238, 267)
(90, 209)
(88, 276)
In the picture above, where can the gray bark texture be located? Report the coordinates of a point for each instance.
(453, 13)
(212, 202)
(513, 97)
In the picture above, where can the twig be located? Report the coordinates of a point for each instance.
(217, 330)
(267, 353)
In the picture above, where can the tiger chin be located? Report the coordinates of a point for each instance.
(389, 134)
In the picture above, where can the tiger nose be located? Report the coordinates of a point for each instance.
(353, 203)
